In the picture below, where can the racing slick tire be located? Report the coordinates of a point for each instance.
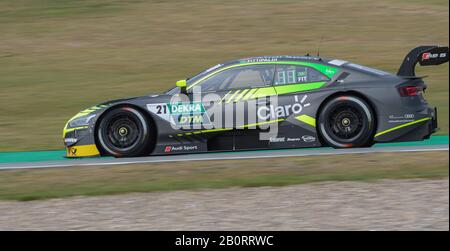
(346, 121)
(124, 132)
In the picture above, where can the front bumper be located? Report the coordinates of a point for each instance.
(82, 151)
(80, 142)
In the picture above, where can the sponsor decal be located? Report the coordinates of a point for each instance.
(305, 138)
(181, 114)
(308, 138)
(70, 140)
(186, 108)
(330, 71)
(275, 58)
(176, 108)
(257, 60)
(73, 151)
(429, 55)
(302, 77)
(277, 140)
(168, 149)
(284, 139)
(401, 119)
(275, 112)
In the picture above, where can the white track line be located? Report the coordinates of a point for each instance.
(220, 156)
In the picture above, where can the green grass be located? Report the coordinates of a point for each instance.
(88, 181)
(59, 57)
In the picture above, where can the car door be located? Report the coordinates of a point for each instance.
(236, 91)
(250, 89)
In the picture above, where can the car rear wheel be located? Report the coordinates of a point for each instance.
(124, 132)
(347, 121)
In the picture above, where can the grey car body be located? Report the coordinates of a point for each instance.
(395, 104)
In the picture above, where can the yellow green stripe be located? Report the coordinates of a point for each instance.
(255, 93)
(264, 92)
(284, 89)
(241, 95)
(214, 130)
(250, 93)
(262, 123)
(307, 119)
(224, 97)
(232, 96)
(401, 126)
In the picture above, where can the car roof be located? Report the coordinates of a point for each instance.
(310, 59)
(306, 58)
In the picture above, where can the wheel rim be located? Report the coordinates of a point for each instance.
(346, 122)
(122, 132)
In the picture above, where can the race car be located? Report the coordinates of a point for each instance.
(311, 101)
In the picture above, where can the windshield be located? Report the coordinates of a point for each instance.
(193, 79)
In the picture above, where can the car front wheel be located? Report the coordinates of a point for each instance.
(124, 132)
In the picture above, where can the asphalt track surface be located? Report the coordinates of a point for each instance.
(49, 159)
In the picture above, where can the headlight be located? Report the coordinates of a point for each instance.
(81, 121)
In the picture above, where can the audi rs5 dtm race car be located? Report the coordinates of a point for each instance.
(265, 103)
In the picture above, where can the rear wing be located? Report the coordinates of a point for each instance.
(424, 55)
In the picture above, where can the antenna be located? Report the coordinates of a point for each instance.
(318, 49)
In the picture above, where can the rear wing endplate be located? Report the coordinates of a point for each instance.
(424, 55)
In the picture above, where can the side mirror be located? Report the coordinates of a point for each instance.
(182, 85)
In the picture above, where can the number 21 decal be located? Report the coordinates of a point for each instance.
(161, 109)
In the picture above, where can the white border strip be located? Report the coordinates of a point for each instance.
(213, 156)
